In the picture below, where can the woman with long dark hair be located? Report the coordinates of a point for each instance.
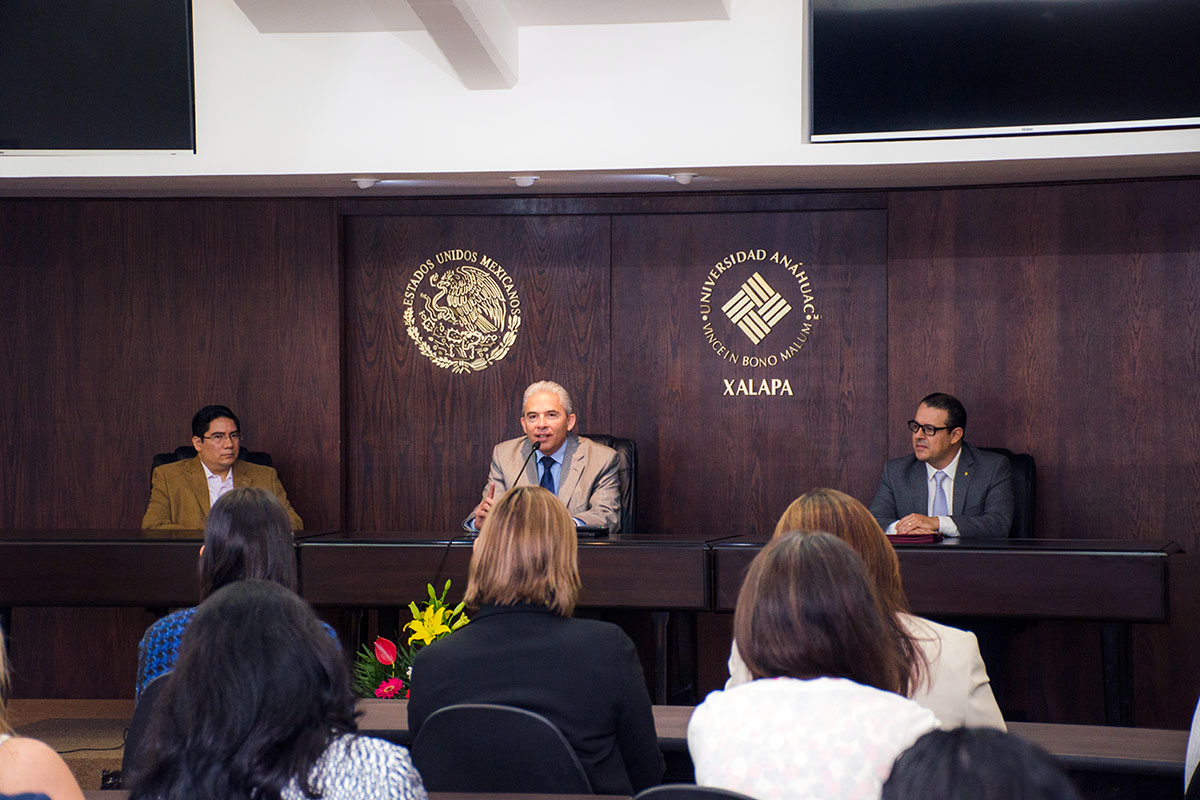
(944, 671)
(247, 535)
(821, 717)
(259, 707)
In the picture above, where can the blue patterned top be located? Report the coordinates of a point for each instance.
(159, 648)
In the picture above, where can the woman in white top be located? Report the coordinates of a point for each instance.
(946, 672)
(822, 717)
(27, 765)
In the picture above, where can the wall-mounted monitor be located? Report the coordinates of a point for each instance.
(911, 69)
(96, 75)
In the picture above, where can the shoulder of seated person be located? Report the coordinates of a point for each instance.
(31, 756)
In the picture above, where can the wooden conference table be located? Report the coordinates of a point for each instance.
(1114, 583)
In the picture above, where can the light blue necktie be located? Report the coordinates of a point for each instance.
(547, 481)
(940, 507)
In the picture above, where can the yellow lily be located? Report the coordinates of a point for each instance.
(429, 626)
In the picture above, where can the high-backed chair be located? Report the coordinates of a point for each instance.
(186, 451)
(135, 739)
(1024, 481)
(688, 791)
(626, 474)
(479, 747)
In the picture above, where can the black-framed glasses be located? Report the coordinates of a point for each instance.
(221, 436)
(928, 430)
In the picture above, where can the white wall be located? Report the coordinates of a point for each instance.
(662, 95)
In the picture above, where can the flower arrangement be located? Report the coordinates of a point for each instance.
(385, 670)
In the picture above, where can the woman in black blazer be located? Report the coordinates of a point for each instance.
(523, 649)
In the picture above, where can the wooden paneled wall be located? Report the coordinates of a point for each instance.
(121, 319)
(1067, 318)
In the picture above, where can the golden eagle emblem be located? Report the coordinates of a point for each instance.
(464, 318)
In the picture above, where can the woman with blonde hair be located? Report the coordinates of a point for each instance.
(523, 649)
(822, 717)
(945, 672)
(27, 765)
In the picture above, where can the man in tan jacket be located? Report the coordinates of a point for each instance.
(182, 493)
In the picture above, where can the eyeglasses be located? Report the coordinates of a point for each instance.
(928, 430)
(221, 436)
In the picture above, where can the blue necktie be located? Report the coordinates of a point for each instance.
(547, 481)
(940, 507)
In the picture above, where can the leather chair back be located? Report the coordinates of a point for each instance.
(1024, 481)
(626, 474)
(480, 748)
(136, 737)
(688, 791)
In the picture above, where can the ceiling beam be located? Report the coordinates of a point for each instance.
(477, 37)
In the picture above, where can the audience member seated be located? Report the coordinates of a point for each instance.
(946, 673)
(821, 717)
(27, 765)
(523, 649)
(247, 535)
(977, 764)
(259, 706)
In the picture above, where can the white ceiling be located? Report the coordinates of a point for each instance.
(479, 39)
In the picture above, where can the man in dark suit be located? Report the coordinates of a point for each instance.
(580, 472)
(182, 493)
(946, 486)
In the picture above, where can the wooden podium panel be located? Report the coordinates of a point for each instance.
(393, 568)
(1034, 579)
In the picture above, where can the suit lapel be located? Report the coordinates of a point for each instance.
(240, 479)
(962, 478)
(198, 482)
(572, 468)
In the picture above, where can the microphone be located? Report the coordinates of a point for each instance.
(536, 446)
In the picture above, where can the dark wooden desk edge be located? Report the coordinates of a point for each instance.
(1139, 751)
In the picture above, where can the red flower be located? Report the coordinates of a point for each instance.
(390, 688)
(385, 651)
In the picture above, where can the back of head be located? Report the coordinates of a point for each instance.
(526, 553)
(976, 764)
(204, 417)
(247, 535)
(846, 518)
(807, 610)
(259, 690)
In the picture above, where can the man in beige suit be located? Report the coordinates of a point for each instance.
(582, 473)
(182, 493)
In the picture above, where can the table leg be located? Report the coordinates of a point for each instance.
(1116, 657)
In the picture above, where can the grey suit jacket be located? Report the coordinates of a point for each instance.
(588, 485)
(983, 493)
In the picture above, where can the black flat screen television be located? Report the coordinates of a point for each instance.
(87, 75)
(910, 69)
